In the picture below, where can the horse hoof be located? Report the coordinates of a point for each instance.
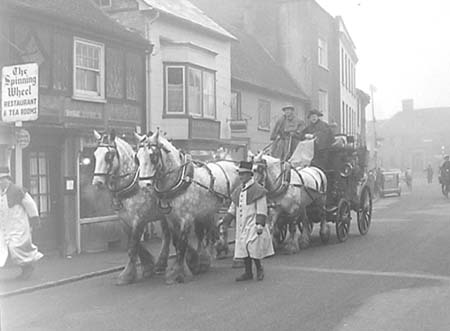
(147, 273)
(160, 270)
(303, 242)
(127, 276)
(125, 280)
(325, 235)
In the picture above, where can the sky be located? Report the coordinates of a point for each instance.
(403, 47)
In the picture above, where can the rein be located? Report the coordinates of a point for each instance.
(285, 181)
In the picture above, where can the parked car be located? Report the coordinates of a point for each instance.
(390, 183)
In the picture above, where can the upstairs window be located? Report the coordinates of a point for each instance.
(236, 106)
(196, 90)
(263, 115)
(322, 53)
(175, 94)
(89, 70)
(209, 95)
(323, 102)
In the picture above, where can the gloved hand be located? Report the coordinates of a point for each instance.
(309, 136)
(259, 229)
(35, 222)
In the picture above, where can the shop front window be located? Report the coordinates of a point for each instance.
(39, 181)
(94, 202)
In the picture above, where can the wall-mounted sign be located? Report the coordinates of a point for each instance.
(23, 138)
(20, 92)
(204, 129)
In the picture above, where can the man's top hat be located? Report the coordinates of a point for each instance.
(288, 106)
(245, 166)
(4, 172)
(314, 112)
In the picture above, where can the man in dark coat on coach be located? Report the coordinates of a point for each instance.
(286, 133)
(323, 135)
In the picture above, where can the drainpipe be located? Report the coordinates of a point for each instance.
(148, 70)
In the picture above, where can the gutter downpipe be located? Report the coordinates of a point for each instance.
(148, 70)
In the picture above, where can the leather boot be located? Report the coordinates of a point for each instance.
(259, 270)
(247, 275)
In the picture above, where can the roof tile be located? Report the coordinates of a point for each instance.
(83, 13)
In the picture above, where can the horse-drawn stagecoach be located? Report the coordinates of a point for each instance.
(159, 182)
(327, 195)
(348, 188)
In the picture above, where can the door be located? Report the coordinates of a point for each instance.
(41, 178)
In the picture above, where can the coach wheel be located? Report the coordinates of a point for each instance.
(347, 170)
(365, 211)
(343, 220)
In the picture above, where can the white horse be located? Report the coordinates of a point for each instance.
(116, 169)
(293, 194)
(190, 192)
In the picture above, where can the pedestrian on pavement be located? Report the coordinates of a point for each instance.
(286, 134)
(323, 135)
(429, 171)
(409, 178)
(249, 207)
(17, 211)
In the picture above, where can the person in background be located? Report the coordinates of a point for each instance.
(444, 170)
(249, 207)
(286, 133)
(429, 172)
(17, 211)
(408, 178)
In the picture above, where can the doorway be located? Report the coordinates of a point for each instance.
(41, 176)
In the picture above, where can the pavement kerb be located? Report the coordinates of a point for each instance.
(60, 282)
(68, 280)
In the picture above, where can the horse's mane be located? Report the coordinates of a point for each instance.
(169, 146)
(124, 149)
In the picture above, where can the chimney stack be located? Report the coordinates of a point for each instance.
(407, 105)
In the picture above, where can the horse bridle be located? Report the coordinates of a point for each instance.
(261, 168)
(155, 158)
(112, 153)
(109, 159)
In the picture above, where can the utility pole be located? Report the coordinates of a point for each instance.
(375, 143)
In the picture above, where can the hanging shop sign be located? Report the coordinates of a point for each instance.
(20, 92)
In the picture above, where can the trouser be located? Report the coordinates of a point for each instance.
(248, 265)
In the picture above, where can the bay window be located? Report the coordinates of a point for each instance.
(192, 94)
(175, 93)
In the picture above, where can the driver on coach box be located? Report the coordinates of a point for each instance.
(323, 135)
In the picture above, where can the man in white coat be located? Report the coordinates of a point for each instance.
(17, 210)
(249, 207)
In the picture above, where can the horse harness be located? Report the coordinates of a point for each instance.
(185, 177)
(119, 193)
(283, 180)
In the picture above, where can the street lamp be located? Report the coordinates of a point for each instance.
(375, 153)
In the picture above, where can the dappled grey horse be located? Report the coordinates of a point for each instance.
(190, 192)
(117, 170)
